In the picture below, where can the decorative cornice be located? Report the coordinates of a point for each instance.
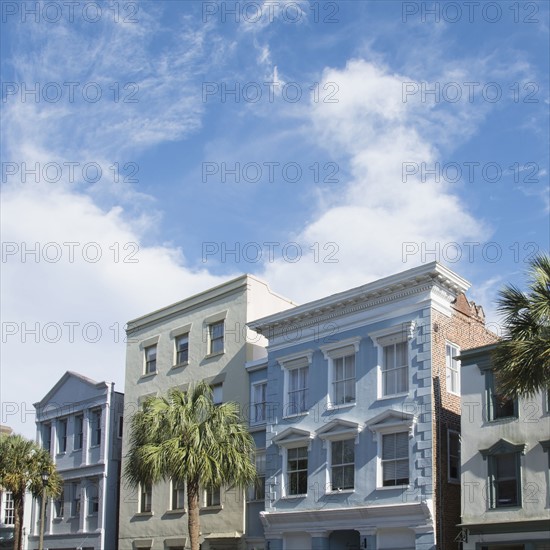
(431, 277)
(502, 447)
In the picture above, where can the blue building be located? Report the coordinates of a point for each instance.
(361, 400)
(79, 421)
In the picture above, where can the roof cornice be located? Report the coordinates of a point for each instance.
(401, 285)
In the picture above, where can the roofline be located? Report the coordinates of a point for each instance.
(193, 301)
(432, 270)
(74, 374)
(479, 351)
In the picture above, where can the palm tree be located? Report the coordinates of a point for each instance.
(22, 463)
(185, 437)
(522, 358)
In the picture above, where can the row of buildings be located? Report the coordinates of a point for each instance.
(375, 412)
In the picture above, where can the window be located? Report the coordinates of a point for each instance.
(145, 498)
(258, 491)
(151, 359)
(96, 427)
(93, 499)
(500, 406)
(395, 369)
(343, 382)
(258, 403)
(452, 368)
(182, 349)
(297, 390)
(297, 471)
(453, 455)
(60, 506)
(217, 394)
(47, 436)
(504, 480)
(215, 337)
(178, 495)
(62, 435)
(78, 431)
(120, 426)
(212, 496)
(395, 459)
(9, 509)
(75, 510)
(342, 464)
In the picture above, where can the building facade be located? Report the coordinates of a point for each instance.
(362, 405)
(505, 462)
(79, 422)
(204, 337)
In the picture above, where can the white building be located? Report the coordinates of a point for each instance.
(505, 462)
(80, 421)
(203, 337)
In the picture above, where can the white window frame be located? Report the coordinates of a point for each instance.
(61, 435)
(260, 463)
(343, 465)
(143, 492)
(178, 361)
(211, 339)
(147, 362)
(254, 404)
(449, 370)
(179, 488)
(9, 509)
(96, 422)
(217, 394)
(212, 491)
(286, 484)
(396, 334)
(332, 353)
(78, 436)
(380, 480)
(449, 478)
(92, 494)
(289, 363)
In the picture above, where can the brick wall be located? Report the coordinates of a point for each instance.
(466, 329)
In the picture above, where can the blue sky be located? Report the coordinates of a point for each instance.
(341, 113)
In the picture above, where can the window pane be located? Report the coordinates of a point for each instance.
(182, 348)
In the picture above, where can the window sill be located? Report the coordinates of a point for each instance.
(512, 507)
(290, 497)
(392, 396)
(94, 515)
(393, 487)
(179, 365)
(331, 407)
(215, 508)
(340, 492)
(143, 514)
(503, 419)
(147, 376)
(212, 355)
(95, 446)
(175, 512)
(457, 394)
(62, 453)
(57, 520)
(297, 415)
(254, 500)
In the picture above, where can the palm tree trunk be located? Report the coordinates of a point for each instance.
(193, 522)
(18, 505)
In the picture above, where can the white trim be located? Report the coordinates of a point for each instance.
(216, 317)
(448, 370)
(253, 403)
(180, 331)
(290, 362)
(284, 472)
(151, 341)
(339, 349)
(328, 487)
